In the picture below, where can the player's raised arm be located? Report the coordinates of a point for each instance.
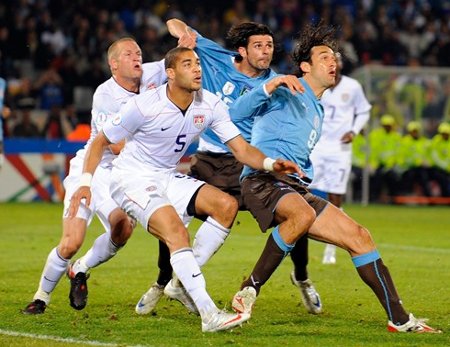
(180, 30)
(93, 157)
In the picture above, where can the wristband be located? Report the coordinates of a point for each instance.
(86, 179)
(268, 164)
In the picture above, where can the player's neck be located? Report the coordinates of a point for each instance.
(316, 87)
(181, 97)
(132, 85)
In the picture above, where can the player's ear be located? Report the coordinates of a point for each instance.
(242, 51)
(113, 64)
(170, 72)
(305, 66)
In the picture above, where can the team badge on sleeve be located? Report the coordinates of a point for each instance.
(117, 119)
(199, 121)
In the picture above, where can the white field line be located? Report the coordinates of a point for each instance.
(64, 339)
(433, 250)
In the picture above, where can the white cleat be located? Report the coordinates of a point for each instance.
(414, 325)
(149, 300)
(177, 292)
(244, 300)
(222, 320)
(310, 297)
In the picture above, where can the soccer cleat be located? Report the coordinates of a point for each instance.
(414, 325)
(222, 320)
(329, 255)
(78, 289)
(177, 292)
(35, 307)
(244, 300)
(310, 297)
(149, 300)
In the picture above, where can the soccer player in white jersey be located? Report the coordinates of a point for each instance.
(346, 113)
(229, 74)
(159, 126)
(129, 77)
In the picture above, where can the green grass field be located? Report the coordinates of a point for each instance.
(413, 241)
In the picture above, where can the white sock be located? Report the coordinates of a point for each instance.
(209, 238)
(54, 269)
(187, 270)
(102, 250)
(330, 250)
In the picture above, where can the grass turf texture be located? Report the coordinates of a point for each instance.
(413, 241)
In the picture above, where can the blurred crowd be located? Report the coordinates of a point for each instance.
(402, 161)
(52, 56)
(52, 52)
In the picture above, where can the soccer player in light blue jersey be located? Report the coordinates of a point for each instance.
(228, 74)
(288, 125)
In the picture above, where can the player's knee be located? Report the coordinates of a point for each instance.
(362, 241)
(304, 219)
(68, 248)
(227, 210)
(121, 230)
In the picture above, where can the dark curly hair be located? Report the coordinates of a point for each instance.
(312, 36)
(239, 34)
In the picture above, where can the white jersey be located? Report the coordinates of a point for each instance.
(109, 97)
(158, 133)
(346, 109)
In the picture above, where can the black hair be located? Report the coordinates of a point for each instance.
(312, 36)
(239, 34)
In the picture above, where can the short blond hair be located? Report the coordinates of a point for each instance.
(114, 49)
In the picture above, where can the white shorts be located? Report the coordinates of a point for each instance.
(141, 195)
(101, 204)
(331, 171)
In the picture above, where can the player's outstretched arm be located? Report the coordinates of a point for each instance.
(93, 157)
(253, 157)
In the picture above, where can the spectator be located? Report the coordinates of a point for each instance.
(26, 127)
(413, 161)
(82, 130)
(384, 143)
(53, 128)
(50, 87)
(440, 159)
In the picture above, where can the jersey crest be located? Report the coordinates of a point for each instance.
(228, 88)
(345, 97)
(199, 121)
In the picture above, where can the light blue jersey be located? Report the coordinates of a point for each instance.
(222, 78)
(286, 126)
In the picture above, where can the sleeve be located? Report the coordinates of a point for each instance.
(222, 125)
(104, 107)
(154, 74)
(124, 123)
(362, 109)
(249, 104)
